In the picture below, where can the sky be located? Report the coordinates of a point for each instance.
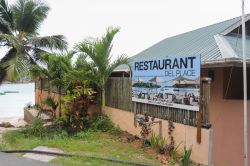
(142, 22)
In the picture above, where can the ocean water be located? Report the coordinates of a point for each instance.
(12, 104)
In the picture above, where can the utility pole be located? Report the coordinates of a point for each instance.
(244, 84)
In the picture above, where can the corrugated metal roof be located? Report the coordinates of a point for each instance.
(200, 41)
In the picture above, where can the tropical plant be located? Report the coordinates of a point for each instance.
(102, 123)
(76, 104)
(100, 66)
(157, 142)
(52, 105)
(55, 68)
(185, 158)
(36, 128)
(19, 25)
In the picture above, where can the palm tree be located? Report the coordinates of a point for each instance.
(55, 68)
(100, 65)
(19, 24)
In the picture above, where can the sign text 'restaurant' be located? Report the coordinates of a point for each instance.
(176, 63)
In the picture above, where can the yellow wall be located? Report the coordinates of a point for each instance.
(181, 133)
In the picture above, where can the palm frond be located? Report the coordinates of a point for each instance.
(16, 67)
(39, 72)
(5, 12)
(12, 41)
(108, 38)
(28, 15)
(2, 74)
(8, 56)
(49, 42)
(121, 60)
(5, 26)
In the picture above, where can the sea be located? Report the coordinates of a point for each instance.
(12, 104)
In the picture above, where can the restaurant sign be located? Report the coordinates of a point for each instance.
(173, 81)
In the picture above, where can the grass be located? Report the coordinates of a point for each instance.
(85, 143)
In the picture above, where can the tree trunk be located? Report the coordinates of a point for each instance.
(59, 101)
(103, 100)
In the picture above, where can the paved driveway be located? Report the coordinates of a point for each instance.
(11, 160)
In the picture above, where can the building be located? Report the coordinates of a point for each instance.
(220, 47)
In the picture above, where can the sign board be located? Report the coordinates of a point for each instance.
(172, 81)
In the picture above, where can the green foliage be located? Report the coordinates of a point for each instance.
(154, 140)
(185, 158)
(12, 137)
(19, 25)
(36, 129)
(85, 135)
(92, 143)
(52, 105)
(75, 106)
(99, 67)
(102, 123)
(174, 153)
(157, 142)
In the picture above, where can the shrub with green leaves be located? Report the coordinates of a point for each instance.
(157, 142)
(52, 106)
(75, 106)
(185, 158)
(36, 129)
(102, 123)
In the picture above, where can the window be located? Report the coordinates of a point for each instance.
(233, 83)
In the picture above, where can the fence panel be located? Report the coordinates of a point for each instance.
(118, 95)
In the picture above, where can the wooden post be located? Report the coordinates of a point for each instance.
(198, 138)
(203, 114)
(160, 128)
(198, 114)
(210, 143)
(135, 122)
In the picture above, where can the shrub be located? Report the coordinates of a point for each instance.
(75, 106)
(52, 105)
(102, 123)
(36, 128)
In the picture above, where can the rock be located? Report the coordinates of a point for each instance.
(6, 125)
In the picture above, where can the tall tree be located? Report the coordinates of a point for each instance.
(19, 25)
(100, 66)
(55, 68)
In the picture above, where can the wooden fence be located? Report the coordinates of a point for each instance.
(118, 95)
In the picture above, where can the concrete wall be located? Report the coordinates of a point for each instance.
(226, 117)
(181, 133)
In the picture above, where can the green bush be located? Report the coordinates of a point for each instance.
(36, 129)
(102, 123)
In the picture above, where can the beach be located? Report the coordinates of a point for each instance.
(12, 104)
